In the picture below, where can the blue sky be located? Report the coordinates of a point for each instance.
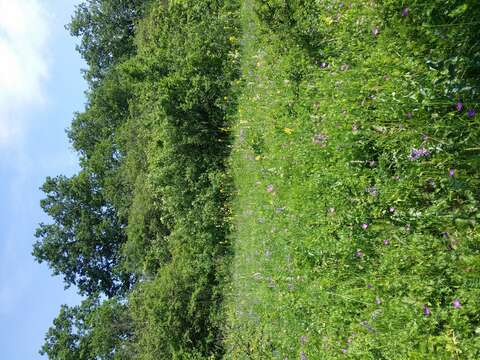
(40, 88)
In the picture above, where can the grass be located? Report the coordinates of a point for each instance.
(346, 245)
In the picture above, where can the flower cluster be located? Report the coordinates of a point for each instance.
(419, 153)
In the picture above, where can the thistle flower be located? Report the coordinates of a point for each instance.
(419, 153)
(426, 310)
(459, 106)
(391, 209)
(471, 113)
(320, 139)
(323, 65)
(369, 286)
(386, 242)
(456, 304)
(344, 351)
(405, 12)
(365, 226)
(359, 253)
(451, 172)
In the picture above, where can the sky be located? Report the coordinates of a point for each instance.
(40, 88)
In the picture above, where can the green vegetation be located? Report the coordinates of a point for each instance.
(337, 220)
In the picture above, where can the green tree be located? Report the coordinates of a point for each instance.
(92, 330)
(106, 29)
(83, 242)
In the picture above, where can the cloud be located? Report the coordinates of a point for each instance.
(23, 65)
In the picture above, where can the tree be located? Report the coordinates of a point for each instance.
(92, 330)
(106, 29)
(84, 241)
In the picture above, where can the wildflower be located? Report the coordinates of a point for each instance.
(396, 178)
(451, 172)
(344, 351)
(303, 339)
(375, 31)
(459, 106)
(471, 113)
(359, 253)
(445, 234)
(405, 12)
(268, 253)
(320, 139)
(391, 209)
(323, 65)
(386, 242)
(303, 356)
(407, 227)
(378, 301)
(258, 157)
(419, 153)
(365, 226)
(369, 286)
(331, 210)
(456, 304)
(270, 188)
(426, 310)
(288, 131)
(372, 191)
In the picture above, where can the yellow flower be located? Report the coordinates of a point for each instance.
(328, 20)
(288, 131)
(258, 157)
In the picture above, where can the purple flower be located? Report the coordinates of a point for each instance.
(426, 310)
(419, 153)
(405, 12)
(369, 286)
(320, 139)
(344, 351)
(391, 209)
(451, 172)
(364, 226)
(372, 191)
(375, 31)
(445, 234)
(359, 253)
(456, 304)
(471, 113)
(303, 356)
(378, 301)
(386, 242)
(270, 188)
(459, 106)
(323, 65)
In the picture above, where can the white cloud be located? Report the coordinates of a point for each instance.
(23, 65)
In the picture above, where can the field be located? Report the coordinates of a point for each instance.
(269, 179)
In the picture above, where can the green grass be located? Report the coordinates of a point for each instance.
(321, 151)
